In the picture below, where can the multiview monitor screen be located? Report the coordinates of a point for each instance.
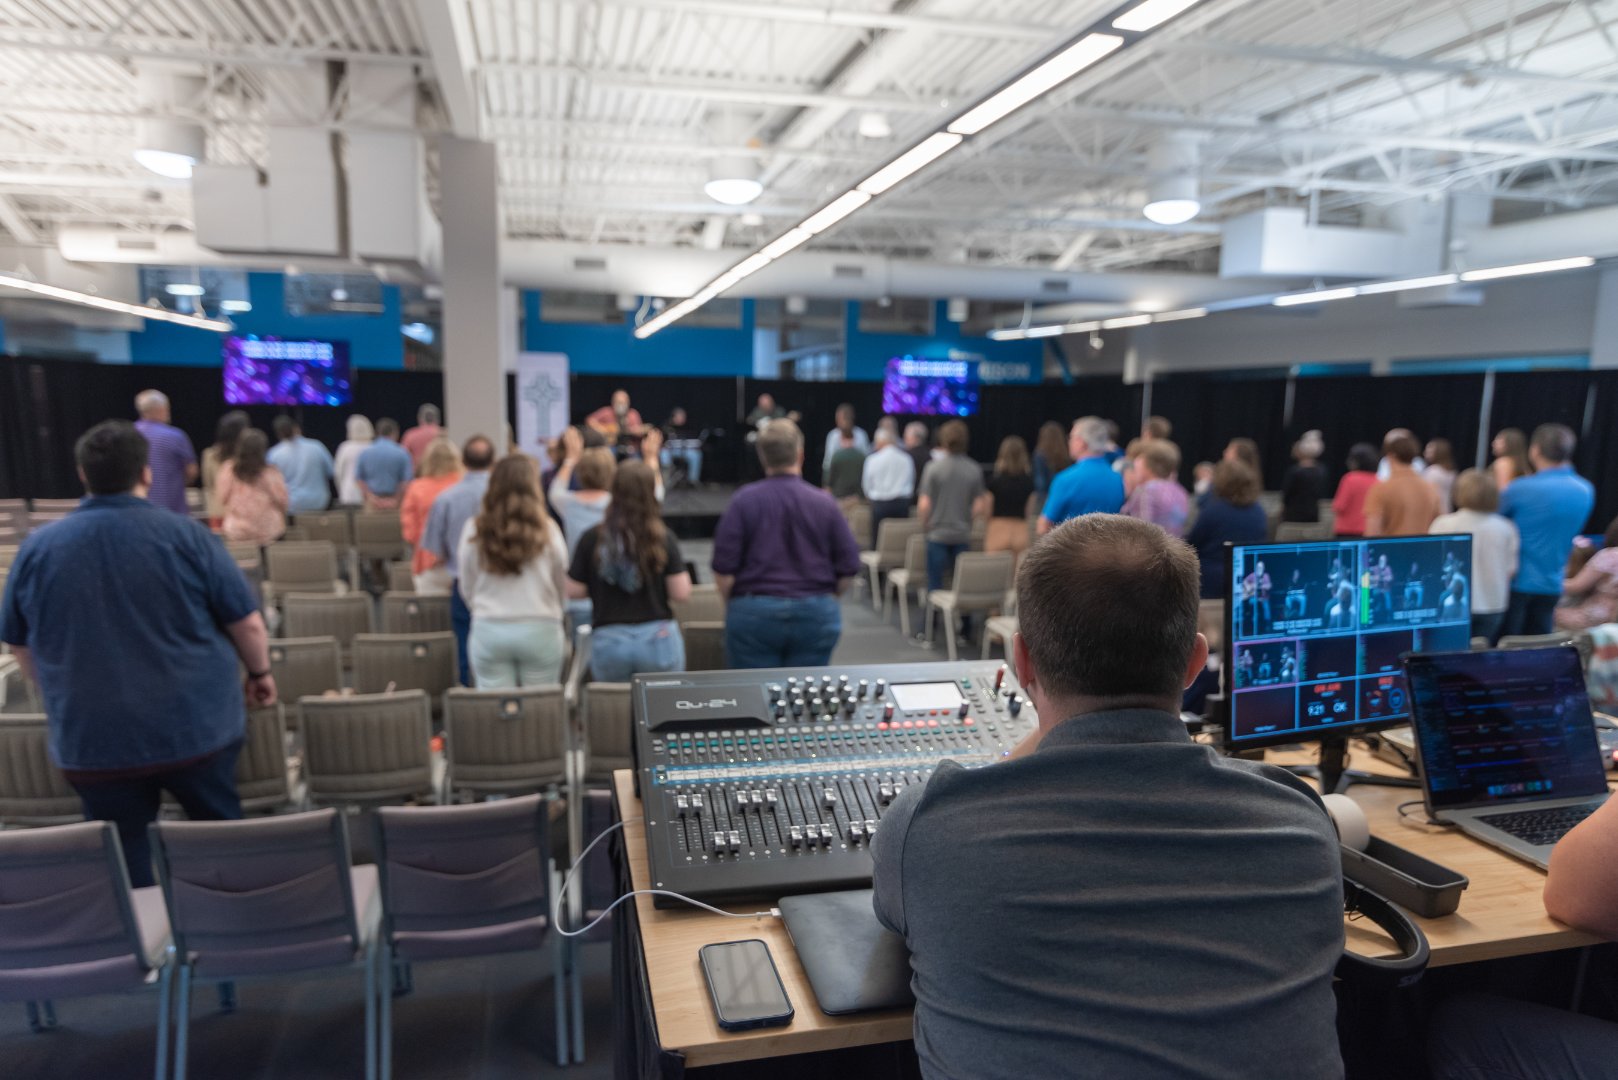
(917, 387)
(276, 371)
(1316, 630)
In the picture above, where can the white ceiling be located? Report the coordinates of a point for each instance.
(605, 112)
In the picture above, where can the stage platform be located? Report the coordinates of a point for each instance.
(694, 512)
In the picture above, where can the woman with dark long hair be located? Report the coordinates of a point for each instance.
(512, 563)
(252, 493)
(630, 568)
(1050, 458)
(1510, 448)
(230, 428)
(1011, 495)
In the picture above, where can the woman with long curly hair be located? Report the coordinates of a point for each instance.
(252, 493)
(513, 572)
(630, 568)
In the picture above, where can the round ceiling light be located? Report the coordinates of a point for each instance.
(733, 180)
(183, 288)
(170, 148)
(166, 163)
(1172, 211)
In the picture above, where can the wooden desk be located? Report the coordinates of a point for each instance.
(1501, 914)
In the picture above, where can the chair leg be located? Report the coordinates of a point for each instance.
(876, 587)
(34, 1023)
(165, 992)
(384, 1001)
(903, 600)
(227, 997)
(182, 1022)
(559, 994)
(986, 640)
(949, 632)
(575, 953)
(372, 978)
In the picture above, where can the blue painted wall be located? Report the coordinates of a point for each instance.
(683, 350)
(2, 338)
(374, 340)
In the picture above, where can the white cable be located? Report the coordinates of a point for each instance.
(567, 879)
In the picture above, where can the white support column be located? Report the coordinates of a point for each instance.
(474, 377)
(1604, 333)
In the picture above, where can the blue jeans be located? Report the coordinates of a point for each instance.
(940, 561)
(1478, 1036)
(460, 618)
(1530, 613)
(618, 652)
(773, 631)
(205, 790)
(692, 459)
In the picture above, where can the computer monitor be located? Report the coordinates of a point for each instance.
(1316, 631)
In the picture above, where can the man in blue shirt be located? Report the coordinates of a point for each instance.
(384, 468)
(1089, 485)
(305, 463)
(441, 536)
(1549, 508)
(132, 620)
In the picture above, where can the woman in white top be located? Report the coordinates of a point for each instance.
(1494, 550)
(513, 573)
(360, 435)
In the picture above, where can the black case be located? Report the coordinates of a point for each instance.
(1418, 885)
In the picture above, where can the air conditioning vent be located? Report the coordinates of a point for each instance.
(848, 272)
(135, 243)
(1053, 285)
(589, 264)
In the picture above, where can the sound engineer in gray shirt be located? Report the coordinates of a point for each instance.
(1115, 900)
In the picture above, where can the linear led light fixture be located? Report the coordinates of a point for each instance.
(1523, 269)
(1085, 50)
(1318, 296)
(1125, 321)
(1405, 284)
(84, 299)
(1181, 315)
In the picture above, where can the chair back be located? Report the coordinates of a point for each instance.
(331, 525)
(377, 535)
(506, 741)
(8, 554)
(67, 906)
(859, 523)
(259, 895)
(32, 789)
(262, 779)
(406, 662)
(367, 748)
(38, 520)
(54, 506)
(1582, 642)
(608, 730)
(704, 605)
(308, 566)
(18, 694)
(704, 646)
(407, 613)
(304, 667)
(892, 539)
(400, 579)
(1292, 532)
(979, 535)
(340, 616)
(464, 880)
(983, 578)
(915, 557)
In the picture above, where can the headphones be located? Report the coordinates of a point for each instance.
(1388, 972)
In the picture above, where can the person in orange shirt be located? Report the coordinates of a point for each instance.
(440, 468)
(428, 427)
(1404, 504)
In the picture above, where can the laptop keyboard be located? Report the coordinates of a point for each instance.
(1541, 826)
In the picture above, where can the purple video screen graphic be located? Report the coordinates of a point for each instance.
(920, 387)
(276, 371)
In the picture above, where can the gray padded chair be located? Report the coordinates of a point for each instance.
(703, 606)
(304, 667)
(8, 554)
(377, 535)
(909, 577)
(302, 566)
(407, 613)
(892, 537)
(266, 896)
(406, 662)
(32, 789)
(461, 881)
(400, 579)
(307, 615)
(704, 646)
(981, 583)
(334, 525)
(608, 730)
(70, 925)
(367, 748)
(1292, 532)
(262, 779)
(18, 694)
(506, 742)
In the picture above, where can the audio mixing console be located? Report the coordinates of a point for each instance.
(769, 783)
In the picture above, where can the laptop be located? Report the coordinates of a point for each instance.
(1507, 745)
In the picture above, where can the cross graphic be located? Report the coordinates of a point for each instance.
(541, 392)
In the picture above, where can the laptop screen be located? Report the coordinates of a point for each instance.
(1504, 726)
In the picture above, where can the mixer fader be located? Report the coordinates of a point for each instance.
(765, 783)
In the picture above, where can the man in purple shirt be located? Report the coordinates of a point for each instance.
(172, 460)
(782, 555)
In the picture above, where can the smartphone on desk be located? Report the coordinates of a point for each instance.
(745, 987)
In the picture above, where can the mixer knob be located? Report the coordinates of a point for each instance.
(831, 797)
(1016, 704)
(775, 689)
(842, 681)
(1000, 677)
(818, 704)
(780, 708)
(965, 708)
(792, 680)
(881, 687)
(864, 687)
(696, 804)
(795, 834)
(825, 835)
(848, 706)
(887, 711)
(797, 707)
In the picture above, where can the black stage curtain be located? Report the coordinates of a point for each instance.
(1207, 413)
(1587, 402)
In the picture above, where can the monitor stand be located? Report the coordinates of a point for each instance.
(1335, 775)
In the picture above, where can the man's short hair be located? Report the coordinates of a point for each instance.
(780, 444)
(954, 436)
(916, 430)
(285, 427)
(595, 469)
(1107, 606)
(1159, 427)
(845, 409)
(1161, 456)
(1401, 446)
(1555, 442)
(112, 456)
(1092, 432)
(150, 401)
(387, 428)
(883, 436)
(478, 453)
(1475, 490)
(428, 414)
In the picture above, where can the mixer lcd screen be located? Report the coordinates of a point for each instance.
(918, 387)
(1316, 631)
(276, 371)
(922, 697)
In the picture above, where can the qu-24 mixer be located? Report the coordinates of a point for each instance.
(768, 783)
